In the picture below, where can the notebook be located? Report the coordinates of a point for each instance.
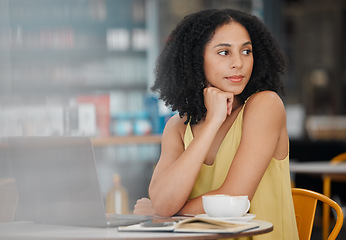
(57, 183)
(191, 224)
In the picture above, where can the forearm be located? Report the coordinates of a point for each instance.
(170, 189)
(192, 207)
(195, 206)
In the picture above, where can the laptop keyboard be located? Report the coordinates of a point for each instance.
(115, 220)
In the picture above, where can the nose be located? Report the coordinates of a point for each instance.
(236, 61)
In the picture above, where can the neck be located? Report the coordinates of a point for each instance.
(236, 104)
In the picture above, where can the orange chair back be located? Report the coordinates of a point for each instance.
(339, 158)
(305, 202)
(327, 180)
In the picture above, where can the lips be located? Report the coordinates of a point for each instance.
(235, 78)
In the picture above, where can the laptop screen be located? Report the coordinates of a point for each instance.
(56, 180)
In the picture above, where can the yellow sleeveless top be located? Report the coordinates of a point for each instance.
(272, 201)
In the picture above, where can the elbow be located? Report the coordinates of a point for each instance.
(164, 208)
(165, 212)
(165, 202)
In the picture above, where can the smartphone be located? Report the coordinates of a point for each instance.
(159, 223)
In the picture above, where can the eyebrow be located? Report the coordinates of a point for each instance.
(228, 45)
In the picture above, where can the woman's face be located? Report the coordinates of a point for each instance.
(228, 59)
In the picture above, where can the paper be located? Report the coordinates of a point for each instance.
(195, 224)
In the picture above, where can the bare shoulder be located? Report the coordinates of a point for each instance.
(175, 124)
(265, 102)
(265, 97)
(176, 121)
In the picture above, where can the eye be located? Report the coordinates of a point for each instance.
(223, 53)
(247, 52)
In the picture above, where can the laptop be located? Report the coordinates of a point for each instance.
(57, 183)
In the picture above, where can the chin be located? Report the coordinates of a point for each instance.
(234, 91)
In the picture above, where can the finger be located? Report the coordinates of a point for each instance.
(147, 201)
(143, 210)
(229, 106)
(230, 98)
(144, 200)
(137, 211)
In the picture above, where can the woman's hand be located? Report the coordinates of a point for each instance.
(218, 103)
(144, 207)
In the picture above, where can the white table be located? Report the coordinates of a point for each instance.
(34, 231)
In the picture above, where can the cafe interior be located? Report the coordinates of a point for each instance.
(85, 68)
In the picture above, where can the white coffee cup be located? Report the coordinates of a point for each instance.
(221, 205)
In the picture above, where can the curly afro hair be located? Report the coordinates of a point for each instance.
(180, 77)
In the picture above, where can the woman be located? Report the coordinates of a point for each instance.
(220, 69)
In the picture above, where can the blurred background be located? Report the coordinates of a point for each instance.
(85, 68)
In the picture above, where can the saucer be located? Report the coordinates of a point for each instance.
(245, 218)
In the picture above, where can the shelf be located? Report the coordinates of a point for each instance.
(97, 51)
(65, 12)
(53, 89)
(111, 141)
(147, 139)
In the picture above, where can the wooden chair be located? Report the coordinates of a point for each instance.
(327, 179)
(305, 202)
